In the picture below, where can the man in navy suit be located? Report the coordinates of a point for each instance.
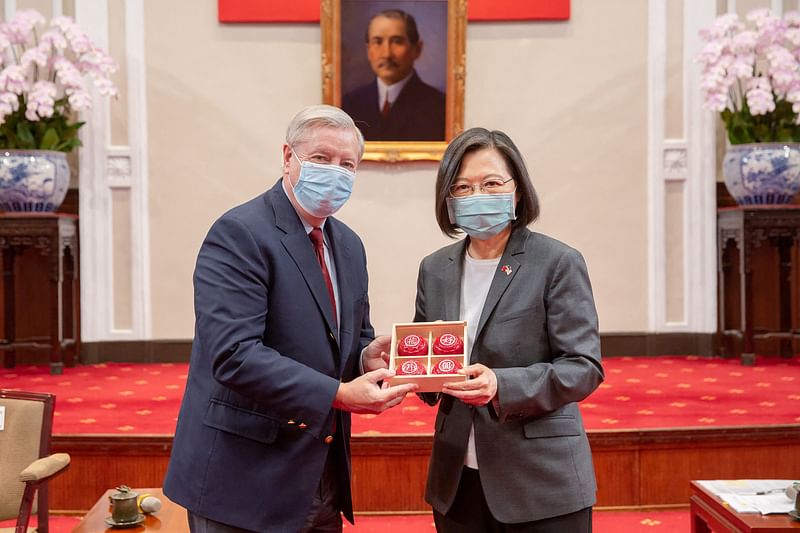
(397, 105)
(283, 350)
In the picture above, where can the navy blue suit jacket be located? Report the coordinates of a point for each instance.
(418, 114)
(266, 363)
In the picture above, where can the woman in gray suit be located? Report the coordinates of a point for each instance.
(510, 452)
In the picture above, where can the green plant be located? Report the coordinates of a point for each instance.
(56, 132)
(777, 126)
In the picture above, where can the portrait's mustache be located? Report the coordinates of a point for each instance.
(388, 63)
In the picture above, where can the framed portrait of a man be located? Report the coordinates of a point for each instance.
(397, 68)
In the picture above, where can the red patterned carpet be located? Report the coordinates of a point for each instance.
(655, 392)
(640, 393)
(603, 522)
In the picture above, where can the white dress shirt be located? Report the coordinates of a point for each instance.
(393, 90)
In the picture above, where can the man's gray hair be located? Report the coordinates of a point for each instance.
(321, 116)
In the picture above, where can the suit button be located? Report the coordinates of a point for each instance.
(328, 439)
(331, 335)
(302, 425)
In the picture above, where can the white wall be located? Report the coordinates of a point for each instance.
(571, 94)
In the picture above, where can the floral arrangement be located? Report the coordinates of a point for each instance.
(752, 76)
(43, 82)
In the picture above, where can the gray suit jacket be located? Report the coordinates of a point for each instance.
(538, 332)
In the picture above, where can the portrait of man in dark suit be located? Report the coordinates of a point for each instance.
(396, 105)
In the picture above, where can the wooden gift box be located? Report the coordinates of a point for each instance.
(428, 331)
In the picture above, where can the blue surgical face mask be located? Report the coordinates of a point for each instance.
(321, 190)
(482, 215)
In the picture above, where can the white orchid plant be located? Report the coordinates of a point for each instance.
(752, 76)
(43, 82)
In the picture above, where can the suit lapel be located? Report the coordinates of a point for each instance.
(453, 272)
(299, 247)
(372, 108)
(507, 269)
(342, 257)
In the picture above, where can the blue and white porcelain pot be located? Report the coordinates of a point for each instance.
(762, 173)
(33, 180)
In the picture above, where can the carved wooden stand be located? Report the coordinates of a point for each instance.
(749, 228)
(55, 236)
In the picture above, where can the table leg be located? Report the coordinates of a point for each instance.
(698, 524)
(748, 352)
(71, 307)
(722, 271)
(10, 359)
(784, 291)
(56, 359)
(729, 278)
(746, 277)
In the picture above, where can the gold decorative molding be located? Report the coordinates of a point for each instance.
(395, 152)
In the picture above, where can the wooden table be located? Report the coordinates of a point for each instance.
(748, 228)
(708, 512)
(55, 237)
(170, 519)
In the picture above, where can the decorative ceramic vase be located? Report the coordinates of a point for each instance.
(33, 180)
(762, 173)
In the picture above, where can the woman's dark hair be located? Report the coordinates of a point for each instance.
(472, 140)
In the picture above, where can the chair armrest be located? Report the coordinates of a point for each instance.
(45, 467)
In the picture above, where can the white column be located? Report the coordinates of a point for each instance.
(699, 123)
(689, 160)
(103, 168)
(656, 90)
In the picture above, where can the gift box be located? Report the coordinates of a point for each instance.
(429, 370)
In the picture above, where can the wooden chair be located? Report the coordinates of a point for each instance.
(25, 461)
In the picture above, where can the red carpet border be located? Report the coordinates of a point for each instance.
(638, 393)
(603, 522)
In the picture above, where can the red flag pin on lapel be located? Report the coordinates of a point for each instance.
(506, 270)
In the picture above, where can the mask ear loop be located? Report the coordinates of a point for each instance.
(294, 154)
(516, 202)
(292, 185)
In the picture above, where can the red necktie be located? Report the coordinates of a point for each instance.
(386, 107)
(319, 249)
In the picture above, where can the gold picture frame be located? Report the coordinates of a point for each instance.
(396, 151)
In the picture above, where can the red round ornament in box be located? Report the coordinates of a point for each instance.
(446, 366)
(410, 368)
(448, 344)
(412, 345)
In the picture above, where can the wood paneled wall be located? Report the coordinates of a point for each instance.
(634, 468)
